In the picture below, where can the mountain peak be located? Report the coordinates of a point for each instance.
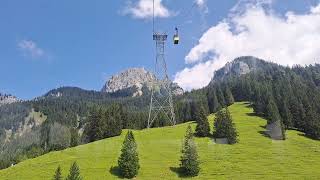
(240, 66)
(133, 80)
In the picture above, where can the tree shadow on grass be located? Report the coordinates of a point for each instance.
(249, 105)
(305, 135)
(264, 127)
(264, 133)
(252, 114)
(179, 172)
(114, 170)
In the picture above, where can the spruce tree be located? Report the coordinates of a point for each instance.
(74, 172)
(213, 102)
(275, 125)
(224, 126)
(228, 96)
(312, 127)
(220, 125)
(58, 174)
(203, 127)
(220, 96)
(272, 113)
(232, 134)
(93, 130)
(74, 137)
(286, 114)
(129, 161)
(189, 163)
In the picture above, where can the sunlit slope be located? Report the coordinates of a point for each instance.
(255, 156)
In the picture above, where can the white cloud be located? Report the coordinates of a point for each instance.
(293, 39)
(197, 76)
(143, 9)
(200, 3)
(30, 48)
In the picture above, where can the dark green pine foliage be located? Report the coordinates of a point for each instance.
(203, 127)
(115, 115)
(228, 96)
(189, 163)
(224, 126)
(74, 172)
(220, 125)
(286, 115)
(258, 106)
(104, 123)
(213, 102)
(272, 112)
(128, 161)
(74, 137)
(232, 134)
(57, 174)
(220, 96)
(275, 123)
(93, 129)
(312, 127)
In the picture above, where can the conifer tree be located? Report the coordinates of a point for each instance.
(286, 114)
(224, 127)
(189, 163)
(203, 127)
(272, 113)
(94, 128)
(220, 125)
(213, 102)
(220, 96)
(74, 137)
(58, 174)
(74, 172)
(232, 134)
(275, 125)
(312, 127)
(228, 96)
(129, 161)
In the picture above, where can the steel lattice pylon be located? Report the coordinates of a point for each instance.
(161, 95)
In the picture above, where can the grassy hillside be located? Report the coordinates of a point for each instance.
(255, 156)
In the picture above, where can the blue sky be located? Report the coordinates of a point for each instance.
(46, 44)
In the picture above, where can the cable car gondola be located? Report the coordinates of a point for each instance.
(176, 37)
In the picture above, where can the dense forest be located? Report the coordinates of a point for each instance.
(288, 96)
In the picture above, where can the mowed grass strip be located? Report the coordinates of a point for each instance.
(255, 156)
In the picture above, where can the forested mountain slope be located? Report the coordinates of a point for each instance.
(289, 95)
(283, 95)
(254, 157)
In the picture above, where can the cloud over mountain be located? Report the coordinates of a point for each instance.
(257, 31)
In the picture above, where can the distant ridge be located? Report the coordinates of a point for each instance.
(7, 99)
(135, 80)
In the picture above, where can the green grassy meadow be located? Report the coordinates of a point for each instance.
(254, 157)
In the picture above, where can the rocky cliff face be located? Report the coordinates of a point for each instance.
(133, 80)
(7, 99)
(239, 66)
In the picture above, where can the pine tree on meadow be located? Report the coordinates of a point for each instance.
(203, 127)
(128, 161)
(189, 163)
(74, 172)
(58, 174)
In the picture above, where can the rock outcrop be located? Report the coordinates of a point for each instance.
(7, 99)
(240, 66)
(134, 80)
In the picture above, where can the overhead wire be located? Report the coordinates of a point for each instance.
(153, 17)
(186, 13)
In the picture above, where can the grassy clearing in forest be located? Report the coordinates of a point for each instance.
(255, 156)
